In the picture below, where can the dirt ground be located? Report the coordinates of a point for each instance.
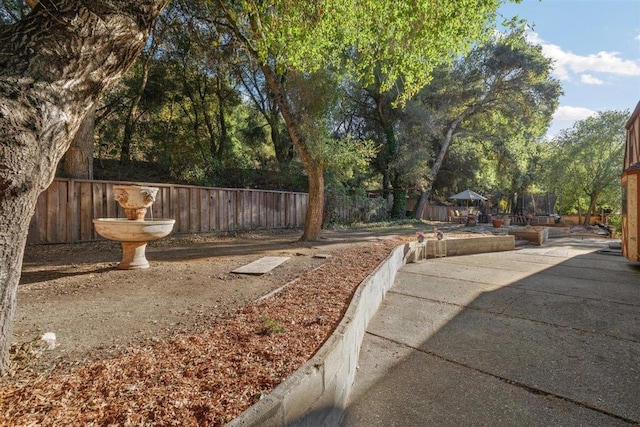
(76, 291)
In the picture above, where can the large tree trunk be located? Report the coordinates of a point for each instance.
(435, 168)
(281, 145)
(53, 66)
(593, 198)
(313, 167)
(387, 155)
(77, 162)
(315, 210)
(422, 201)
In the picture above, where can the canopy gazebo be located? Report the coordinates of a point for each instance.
(468, 195)
(467, 217)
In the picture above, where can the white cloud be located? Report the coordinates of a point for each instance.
(566, 63)
(572, 113)
(590, 80)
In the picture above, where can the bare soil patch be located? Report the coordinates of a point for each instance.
(77, 292)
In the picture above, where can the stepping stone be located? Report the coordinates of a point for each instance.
(262, 265)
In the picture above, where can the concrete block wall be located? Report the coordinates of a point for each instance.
(537, 237)
(472, 245)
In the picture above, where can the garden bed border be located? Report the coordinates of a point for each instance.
(317, 393)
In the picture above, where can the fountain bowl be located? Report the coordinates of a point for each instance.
(133, 237)
(126, 230)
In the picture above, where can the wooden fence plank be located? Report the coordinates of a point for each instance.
(62, 210)
(255, 209)
(232, 210)
(262, 210)
(194, 218)
(86, 211)
(204, 211)
(97, 209)
(112, 205)
(165, 208)
(173, 203)
(213, 209)
(52, 213)
(223, 206)
(246, 209)
(268, 201)
(288, 210)
(74, 210)
(71, 201)
(183, 213)
(280, 210)
(299, 218)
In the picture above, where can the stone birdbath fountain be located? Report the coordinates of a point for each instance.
(133, 231)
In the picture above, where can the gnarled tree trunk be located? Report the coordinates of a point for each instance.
(437, 164)
(77, 162)
(53, 66)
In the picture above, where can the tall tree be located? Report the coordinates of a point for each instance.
(391, 41)
(54, 63)
(503, 89)
(586, 161)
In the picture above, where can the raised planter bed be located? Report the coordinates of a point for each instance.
(535, 235)
(452, 246)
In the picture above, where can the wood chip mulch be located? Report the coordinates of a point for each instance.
(204, 379)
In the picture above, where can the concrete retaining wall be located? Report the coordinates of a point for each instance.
(476, 245)
(537, 237)
(317, 393)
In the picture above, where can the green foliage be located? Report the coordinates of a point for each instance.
(348, 157)
(270, 326)
(403, 41)
(196, 120)
(585, 162)
(498, 101)
(477, 124)
(615, 221)
(399, 209)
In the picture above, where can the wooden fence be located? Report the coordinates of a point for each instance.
(436, 213)
(65, 211)
(350, 209)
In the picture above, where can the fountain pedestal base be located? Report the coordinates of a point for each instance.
(133, 256)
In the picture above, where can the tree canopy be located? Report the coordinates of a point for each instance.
(585, 163)
(500, 96)
(395, 44)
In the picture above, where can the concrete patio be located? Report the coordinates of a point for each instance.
(538, 336)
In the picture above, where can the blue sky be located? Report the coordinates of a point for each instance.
(595, 45)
